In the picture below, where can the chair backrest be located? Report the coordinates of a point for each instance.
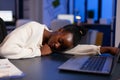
(20, 22)
(3, 30)
(92, 37)
(58, 23)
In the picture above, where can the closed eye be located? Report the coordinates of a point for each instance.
(60, 41)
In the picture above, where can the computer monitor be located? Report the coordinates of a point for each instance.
(69, 17)
(6, 15)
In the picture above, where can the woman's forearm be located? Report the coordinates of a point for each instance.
(111, 50)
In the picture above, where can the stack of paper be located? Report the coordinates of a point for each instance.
(7, 69)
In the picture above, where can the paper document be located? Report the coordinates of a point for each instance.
(7, 69)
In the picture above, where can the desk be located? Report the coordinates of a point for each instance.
(46, 68)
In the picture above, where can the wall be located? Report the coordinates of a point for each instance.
(43, 11)
(50, 11)
(117, 33)
(7, 5)
(35, 10)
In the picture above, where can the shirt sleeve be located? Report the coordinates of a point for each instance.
(16, 52)
(84, 50)
(14, 46)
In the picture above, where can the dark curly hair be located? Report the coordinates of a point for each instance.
(77, 31)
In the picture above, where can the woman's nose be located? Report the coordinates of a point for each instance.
(57, 45)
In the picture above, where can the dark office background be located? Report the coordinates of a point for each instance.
(101, 8)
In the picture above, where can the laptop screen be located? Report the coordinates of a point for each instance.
(7, 16)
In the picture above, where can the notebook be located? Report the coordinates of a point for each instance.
(102, 64)
(9, 70)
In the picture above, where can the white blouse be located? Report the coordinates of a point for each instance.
(24, 41)
(84, 50)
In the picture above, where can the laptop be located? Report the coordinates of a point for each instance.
(101, 64)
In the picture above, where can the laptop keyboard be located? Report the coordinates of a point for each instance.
(95, 63)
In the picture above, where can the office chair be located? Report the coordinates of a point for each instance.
(92, 37)
(20, 22)
(3, 30)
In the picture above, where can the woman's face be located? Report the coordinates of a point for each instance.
(61, 41)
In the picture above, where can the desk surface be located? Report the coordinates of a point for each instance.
(46, 68)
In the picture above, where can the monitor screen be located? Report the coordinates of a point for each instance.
(7, 16)
(69, 17)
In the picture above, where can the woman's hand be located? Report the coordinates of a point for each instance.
(111, 50)
(45, 50)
